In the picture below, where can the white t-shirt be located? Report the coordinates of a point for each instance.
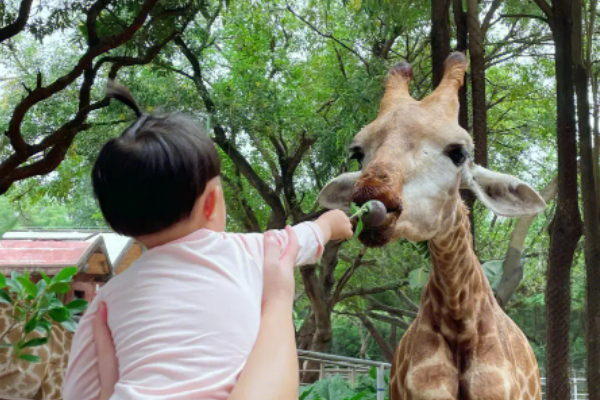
(184, 317)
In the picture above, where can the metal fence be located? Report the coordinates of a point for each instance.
(349, 368)
(578, 385)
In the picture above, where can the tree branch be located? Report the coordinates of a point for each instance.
(330, 36)
(545, 7)
(12, 29)
(488, 17)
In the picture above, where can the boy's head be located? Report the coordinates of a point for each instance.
(156, 173)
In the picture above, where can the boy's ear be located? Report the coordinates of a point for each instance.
(211, 197)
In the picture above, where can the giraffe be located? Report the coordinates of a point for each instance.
(25, 380)
(415, 157)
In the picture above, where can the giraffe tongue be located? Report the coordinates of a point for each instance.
(376, 214)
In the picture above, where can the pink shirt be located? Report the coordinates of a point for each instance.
(184, 317)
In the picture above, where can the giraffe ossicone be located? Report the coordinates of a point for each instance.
(415, 158)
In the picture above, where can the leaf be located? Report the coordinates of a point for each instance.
(31, 324)
(70, 325)
(4, 297)
(418, 277)
(35, 342)
(77, 306)
(2, 281)
(45, 277)
(41, 285)
(65, 275)
(354, 208)
(44, 325)
(60, 287)
(28, 286)
(305, 393)
(493, 271)
(15, 286)
(30, 357)
(359, 228)
(59, 314)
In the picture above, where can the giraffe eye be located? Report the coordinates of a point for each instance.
(456, 153)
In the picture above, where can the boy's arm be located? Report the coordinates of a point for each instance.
(82, 381)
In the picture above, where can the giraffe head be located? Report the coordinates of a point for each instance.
(415, 157)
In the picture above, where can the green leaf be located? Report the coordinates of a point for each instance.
(354, 208)
(70, 325)
(44, 325)
(29, 287)
(35, 342)
(30, 357)
(41, 285)
(418, 277)
(31, 324)
(2, 281)
(60, 287)
(15, 286)
(65, 275)
(77, 306)
(359, 228)
(45, 277)
(59, 314)
(4, 297)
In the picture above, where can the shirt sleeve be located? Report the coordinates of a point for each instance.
(310, 240)
(82, 379)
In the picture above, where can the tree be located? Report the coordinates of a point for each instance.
(566, 227)
(106, 41)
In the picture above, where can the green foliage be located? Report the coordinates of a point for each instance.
(338, 388)
(34, 307)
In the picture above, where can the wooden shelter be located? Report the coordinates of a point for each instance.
(98, 255)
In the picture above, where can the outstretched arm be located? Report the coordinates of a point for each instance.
(271, 372)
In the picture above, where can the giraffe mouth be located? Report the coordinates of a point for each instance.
(381, 235)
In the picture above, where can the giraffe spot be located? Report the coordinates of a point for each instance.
(532, 385)
(489, 352)
(432, 377)
(489, 386)
(426, 347)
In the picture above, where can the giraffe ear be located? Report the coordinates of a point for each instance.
(504, 194)
(337, 194)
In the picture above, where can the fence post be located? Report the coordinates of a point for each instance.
(380, 383)
(574, 384)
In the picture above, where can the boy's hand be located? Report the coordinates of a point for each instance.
(335, 225)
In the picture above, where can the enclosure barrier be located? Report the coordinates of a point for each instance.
(349, 368)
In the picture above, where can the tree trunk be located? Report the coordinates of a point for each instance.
(460, 19)
(591, 220)
(477, 58)
(566, 228)
(513, 264)
(440, 38)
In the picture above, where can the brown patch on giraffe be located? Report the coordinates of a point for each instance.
(433, 377)
(489, 386)
(429, 343)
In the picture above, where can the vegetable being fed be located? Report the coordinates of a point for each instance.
(372, 214)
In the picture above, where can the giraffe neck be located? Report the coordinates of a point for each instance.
(457, 286)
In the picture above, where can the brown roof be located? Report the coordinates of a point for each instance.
(49, 255)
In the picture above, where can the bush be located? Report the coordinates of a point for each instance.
(337, 388)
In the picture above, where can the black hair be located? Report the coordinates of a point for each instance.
(150, 177)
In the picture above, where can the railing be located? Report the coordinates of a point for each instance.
(349, 368)
(578, 385)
